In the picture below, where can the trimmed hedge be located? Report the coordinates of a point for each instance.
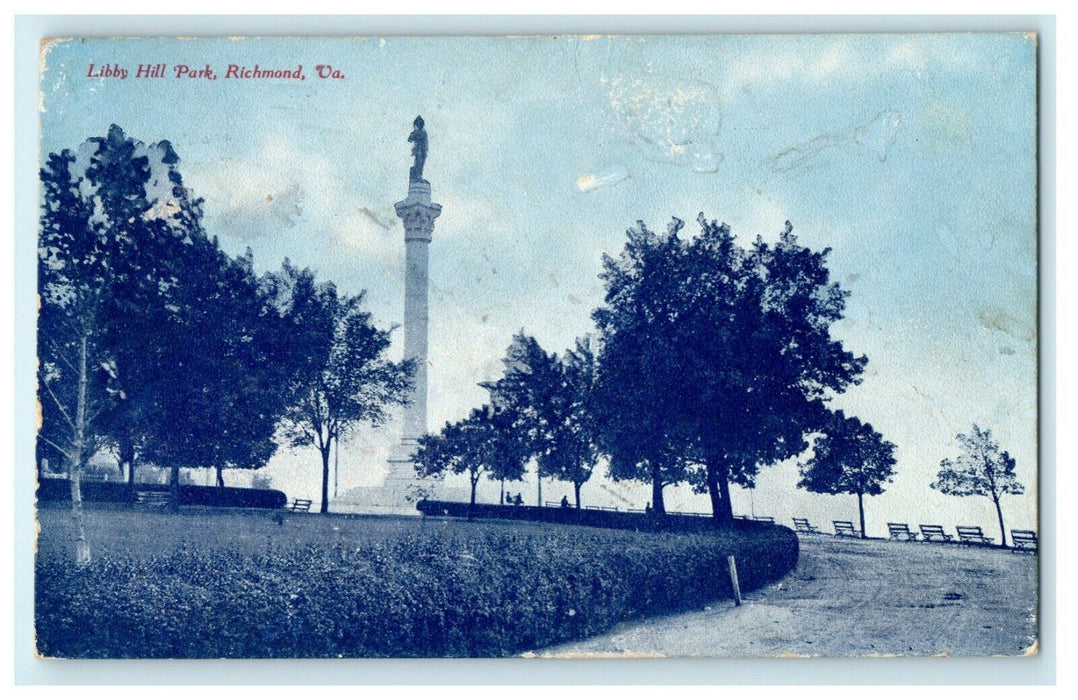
(474, 593)
(618, 520)
(117, 492)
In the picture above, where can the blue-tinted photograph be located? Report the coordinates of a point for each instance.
(543, 346)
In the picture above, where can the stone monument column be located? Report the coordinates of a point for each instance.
(417, 213)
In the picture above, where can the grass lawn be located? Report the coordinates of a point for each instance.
(118, 531)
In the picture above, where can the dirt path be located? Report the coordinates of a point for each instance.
(852, 597)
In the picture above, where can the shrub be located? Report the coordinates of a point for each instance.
(116, 492)
(434, 594)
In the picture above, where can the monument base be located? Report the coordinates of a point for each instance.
(400, 491)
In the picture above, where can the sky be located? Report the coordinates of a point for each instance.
(911, 156)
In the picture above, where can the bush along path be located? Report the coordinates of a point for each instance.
(480, 593)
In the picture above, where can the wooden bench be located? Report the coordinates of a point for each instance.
(898, 531)
(845, 528)
(971, 534)
(803, 525)
(933, 533)
(763, 519)
(1024, 540)
(152, 498)
(611, 509)
(299, 505)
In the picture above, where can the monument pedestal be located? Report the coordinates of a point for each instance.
(401, 489)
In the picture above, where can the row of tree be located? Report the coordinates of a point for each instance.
(710, 361)
(157, 345)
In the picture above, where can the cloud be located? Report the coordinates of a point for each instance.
(366, 233)
(254, 214)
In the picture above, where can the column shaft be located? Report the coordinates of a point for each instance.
(416, 257)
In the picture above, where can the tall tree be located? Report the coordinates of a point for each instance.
(636, 406)
(339, 376)
(717, 356)
(484, 443)
(219, 387)
(572, 451)
(103, 222)
(527, 396)
(849, 457)
(550, 400)
(983, 469)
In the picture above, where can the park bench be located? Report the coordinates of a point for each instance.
(845, 528)
(152, 498)
(971, 534)
(299, 505)
(932, 533)
(901, 531)
(1024, 540)
(763, 519)
(607, 508)
(803, 525)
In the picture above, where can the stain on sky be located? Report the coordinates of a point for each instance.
(675, 121)
(877, 135)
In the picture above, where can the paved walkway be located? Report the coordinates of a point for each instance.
(855, 598)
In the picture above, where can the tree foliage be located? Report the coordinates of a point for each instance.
(484, 443)
(548, 401)
(338, 375)
(115, 218)
(849, 457)
(983, 469)
(179, 339)
(572, 449)
(218, 363)
(716, 359)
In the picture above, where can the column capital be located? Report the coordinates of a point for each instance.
(418, 218)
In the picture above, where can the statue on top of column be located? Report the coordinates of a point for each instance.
(418, 138)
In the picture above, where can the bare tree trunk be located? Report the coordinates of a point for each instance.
(726, 512)
(174, 483)
(861, 512)
(718, 488)
(658, 502)
(220, 476)
(713, 493)
(999, 514)
(576, 489)
(325, 475)
(473, 480)
(501, 497)
(540, 496)
(82, 545)
(127, 460)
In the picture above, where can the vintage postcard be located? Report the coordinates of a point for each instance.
(540, 346)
